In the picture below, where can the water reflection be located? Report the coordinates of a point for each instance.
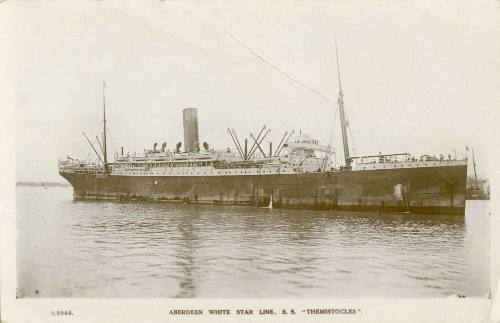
(186, 250)
(176, 250)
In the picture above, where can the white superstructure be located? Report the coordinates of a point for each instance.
(300, 155)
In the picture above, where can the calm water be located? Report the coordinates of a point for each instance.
(107, 249)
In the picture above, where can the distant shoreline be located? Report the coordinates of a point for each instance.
(43, 184)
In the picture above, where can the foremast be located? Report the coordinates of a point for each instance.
(343, 121)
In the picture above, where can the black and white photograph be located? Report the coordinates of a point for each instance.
(293, 158)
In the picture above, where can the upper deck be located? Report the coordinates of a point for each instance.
(397, 161)
(215, 165)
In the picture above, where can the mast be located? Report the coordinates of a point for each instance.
(343, 121)
(475, 174)
(105, 151)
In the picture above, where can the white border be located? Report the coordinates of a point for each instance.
(156, 310)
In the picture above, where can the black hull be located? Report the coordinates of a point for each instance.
(432, 190)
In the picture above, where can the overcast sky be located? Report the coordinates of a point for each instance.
(418, 77)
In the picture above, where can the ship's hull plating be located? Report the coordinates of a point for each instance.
(416, 190)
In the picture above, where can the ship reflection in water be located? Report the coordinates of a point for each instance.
(109, 249)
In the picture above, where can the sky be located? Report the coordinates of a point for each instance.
(418, 76)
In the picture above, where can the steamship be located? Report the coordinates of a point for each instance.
(299, 173)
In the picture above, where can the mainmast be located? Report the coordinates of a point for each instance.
(343, 120)
(105, 151)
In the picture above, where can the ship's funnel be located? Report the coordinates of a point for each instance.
(190, 120)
